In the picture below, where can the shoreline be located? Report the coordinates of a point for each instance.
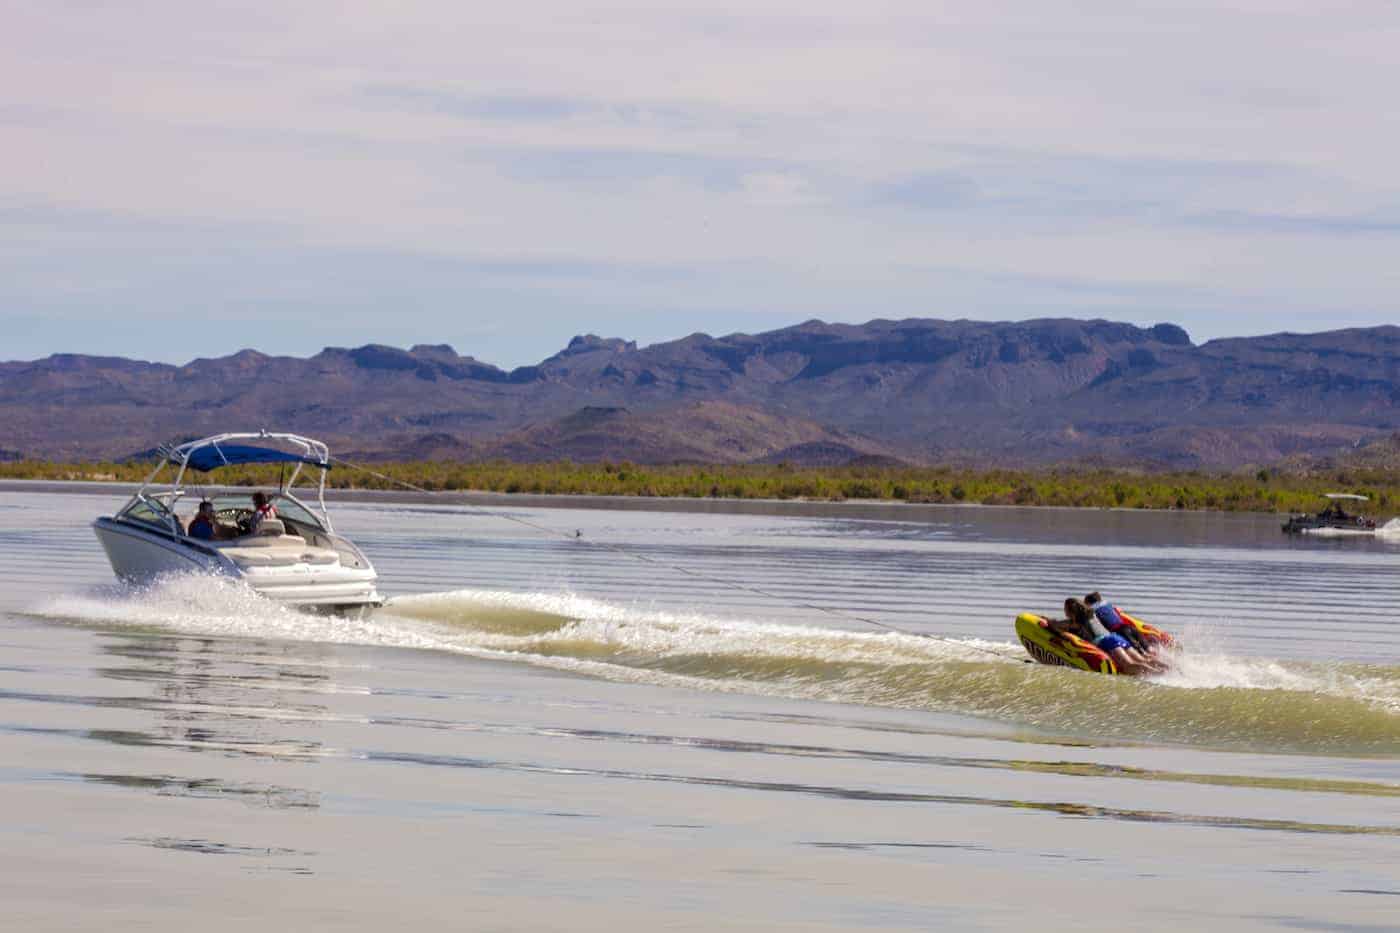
(685, 487)
(883, 508)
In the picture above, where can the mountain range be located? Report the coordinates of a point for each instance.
(1024, 393)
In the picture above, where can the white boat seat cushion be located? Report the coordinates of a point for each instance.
(261, 540)
(271, 528)
(261, 555)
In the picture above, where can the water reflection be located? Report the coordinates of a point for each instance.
(212, 847)
(271, 796)
(1061, 808)
(214, 695)
(205, 696)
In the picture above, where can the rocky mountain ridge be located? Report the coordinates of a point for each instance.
(918, 390)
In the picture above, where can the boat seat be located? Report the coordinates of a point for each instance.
(262, 557)
(280, 556)
(262, 540)
(271, 528)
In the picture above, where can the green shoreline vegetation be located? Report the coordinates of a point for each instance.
(1258, 491)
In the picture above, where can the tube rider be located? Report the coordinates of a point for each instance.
(1127, 658)
(1113, 621)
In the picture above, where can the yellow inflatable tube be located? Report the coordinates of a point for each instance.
(1048, 646)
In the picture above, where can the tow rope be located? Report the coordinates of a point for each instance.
(681, 569)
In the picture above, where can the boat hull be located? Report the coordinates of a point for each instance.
(1306, 524)
(140, 555)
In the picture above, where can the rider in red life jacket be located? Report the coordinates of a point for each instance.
(262, 510)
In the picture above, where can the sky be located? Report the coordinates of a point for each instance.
(183, 179)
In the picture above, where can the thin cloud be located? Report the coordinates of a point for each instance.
(1315, 225)
(501, 108)
(695, 162)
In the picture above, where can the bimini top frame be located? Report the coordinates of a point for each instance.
(221, 450)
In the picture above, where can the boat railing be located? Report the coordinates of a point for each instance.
(178, 457)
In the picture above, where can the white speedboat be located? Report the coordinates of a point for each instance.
(295, 558)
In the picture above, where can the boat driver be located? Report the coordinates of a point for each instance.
(262, 511)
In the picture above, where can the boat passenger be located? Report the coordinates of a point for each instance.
(205, 524)
(1127, 658)
(262, 511)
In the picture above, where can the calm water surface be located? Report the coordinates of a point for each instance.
(546, 732)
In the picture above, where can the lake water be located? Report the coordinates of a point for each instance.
(665, 717)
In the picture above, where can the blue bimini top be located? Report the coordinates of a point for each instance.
(215, 456)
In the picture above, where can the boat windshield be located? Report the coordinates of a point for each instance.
(286, 507)
(150, 511)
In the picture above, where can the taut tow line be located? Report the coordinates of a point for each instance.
(681, 569)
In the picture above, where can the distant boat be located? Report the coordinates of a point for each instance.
(1334, 517)
(296, 558)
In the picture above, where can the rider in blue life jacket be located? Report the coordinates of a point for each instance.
(1128, 659)
(1108, 614)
